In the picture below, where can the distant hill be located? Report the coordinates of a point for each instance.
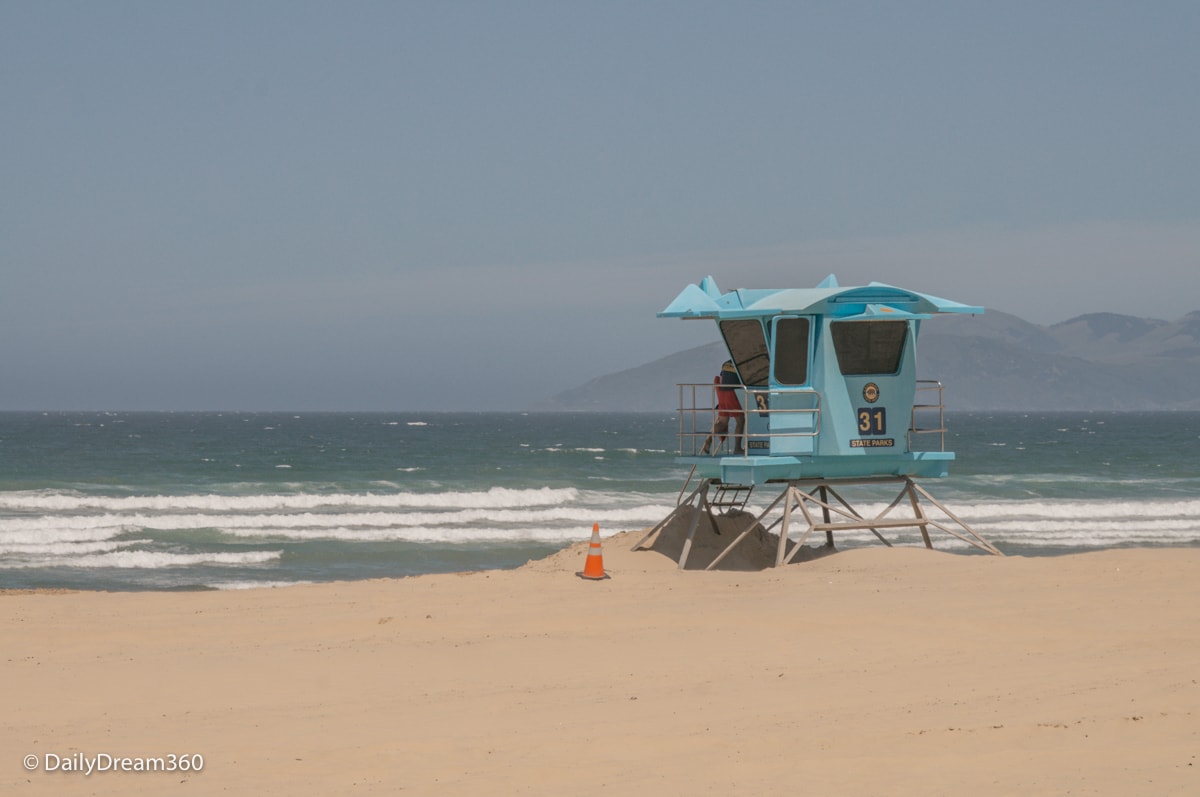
(647, 388)
(997, 361)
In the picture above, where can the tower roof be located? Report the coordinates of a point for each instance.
(875, 300)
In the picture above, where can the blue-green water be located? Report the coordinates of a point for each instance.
(227, 500)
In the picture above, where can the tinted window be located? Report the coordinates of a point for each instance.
(791, 351)
(748, 348)
(869, 347)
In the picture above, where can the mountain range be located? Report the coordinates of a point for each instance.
(997, 361)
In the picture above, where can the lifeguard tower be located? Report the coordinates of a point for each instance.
(830, 398)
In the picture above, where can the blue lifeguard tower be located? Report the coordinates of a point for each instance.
(829, 396)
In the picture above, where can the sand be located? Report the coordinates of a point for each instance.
(874, 671)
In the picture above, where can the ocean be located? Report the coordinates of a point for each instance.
(185, 501)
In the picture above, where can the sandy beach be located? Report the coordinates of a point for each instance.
(875, 671)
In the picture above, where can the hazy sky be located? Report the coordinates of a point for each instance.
(451, 205)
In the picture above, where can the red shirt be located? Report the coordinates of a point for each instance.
(727, 400)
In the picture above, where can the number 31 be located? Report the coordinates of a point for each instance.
(872, 421)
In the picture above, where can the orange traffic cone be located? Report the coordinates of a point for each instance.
(593, 568)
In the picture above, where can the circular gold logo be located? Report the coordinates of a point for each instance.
(871, 392)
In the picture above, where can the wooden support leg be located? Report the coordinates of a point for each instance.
(852, 512)
(801, 497)
(745, 532)
(662, 524)
(918, 512)
(787, 522)
(825, 514)
(702, 504)
(979, 542)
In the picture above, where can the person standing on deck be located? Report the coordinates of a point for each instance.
(728, 409)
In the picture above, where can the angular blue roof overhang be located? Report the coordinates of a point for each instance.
(875, 300)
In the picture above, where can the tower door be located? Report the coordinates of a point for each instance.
(794, 406)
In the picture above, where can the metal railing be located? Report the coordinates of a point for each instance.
(697, 419)
(923, 414)
(698, 414)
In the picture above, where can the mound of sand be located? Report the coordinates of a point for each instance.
(756, 552)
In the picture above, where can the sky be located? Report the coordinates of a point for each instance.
(397, 206)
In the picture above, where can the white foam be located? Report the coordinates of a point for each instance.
(155, 560)
(447, 535)
(1096, 510)
(1051, 509)
(34, 531)
(59, 548)
(1092, 526)
(1043, 523)
(59, 528)
(497, 497)
(234, 585)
